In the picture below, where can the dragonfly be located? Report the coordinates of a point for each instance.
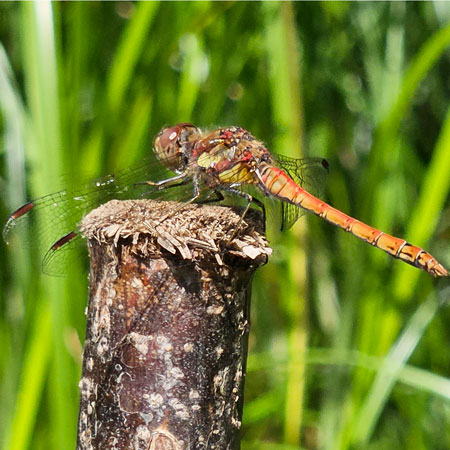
(191, 165)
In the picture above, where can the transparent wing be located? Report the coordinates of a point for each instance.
(49, 224)
(310, 173)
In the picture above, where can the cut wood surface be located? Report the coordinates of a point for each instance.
(167, 325)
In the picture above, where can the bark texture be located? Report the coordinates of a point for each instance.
(167, 325)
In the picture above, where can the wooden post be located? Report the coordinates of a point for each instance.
(167, 325)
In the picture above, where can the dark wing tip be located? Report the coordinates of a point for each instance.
(22, 210)
(325, 164)
(19, 212)
(63, 241)
(53, 267)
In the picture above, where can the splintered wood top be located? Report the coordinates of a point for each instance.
(187, 229)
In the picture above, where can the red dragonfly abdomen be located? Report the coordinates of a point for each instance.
(280, 185)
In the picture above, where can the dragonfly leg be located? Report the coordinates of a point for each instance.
(250, 199)
(177, 180)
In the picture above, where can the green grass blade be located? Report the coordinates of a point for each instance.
(195, 71)
(134, 133)
(414, 377)
(32, 381)
(284, 66)
(42, 89)
(389, 373)
(15, 121)
(425, 215)
(386, 134)
(127, 54)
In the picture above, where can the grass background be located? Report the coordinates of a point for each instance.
(349, 349)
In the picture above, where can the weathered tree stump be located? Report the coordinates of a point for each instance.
(167, 325)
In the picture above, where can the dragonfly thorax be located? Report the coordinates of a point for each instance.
(173, 145)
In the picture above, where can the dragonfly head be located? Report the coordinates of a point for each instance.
(173, 145)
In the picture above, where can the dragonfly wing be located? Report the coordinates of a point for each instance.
(289, 215)
(44, 224)
(310, 174)
(57, 261)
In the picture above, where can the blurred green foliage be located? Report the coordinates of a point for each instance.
(349, 348)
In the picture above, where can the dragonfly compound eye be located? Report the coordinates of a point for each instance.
(171, 144)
